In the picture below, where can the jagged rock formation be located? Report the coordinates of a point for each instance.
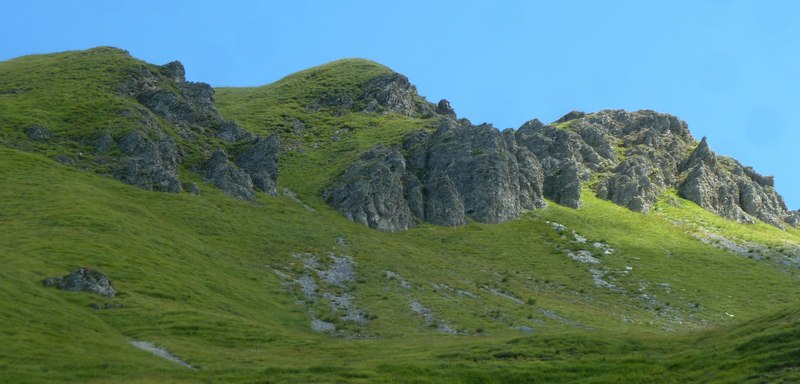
(188, 105)
(724, 186)
(83, 279)
(460, 171)
(174, 117)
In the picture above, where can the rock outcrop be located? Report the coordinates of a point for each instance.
(38, 133)
(723, 186)
(463, 171)
(560, 155)
(391, 93)
(261, 163)
(226, 176)
(150, 161)
(443, 108)
(460, 171)
(371, 191)
(630, 185)
(83, 279)
(171, 106)
(188, 105)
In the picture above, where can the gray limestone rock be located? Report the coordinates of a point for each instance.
(227, 177)
(83, 279)
(413, 193)
(261, 163)
(371, 191)
(188, 105)
(150, 161)
(713, 190)
(711, 187)
(175, 70)
(231, 132)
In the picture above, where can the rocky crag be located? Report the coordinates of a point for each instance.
(152, 156)
(171, 125)
(462, 172)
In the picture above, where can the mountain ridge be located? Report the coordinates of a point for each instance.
(251, 285)
(608, 149)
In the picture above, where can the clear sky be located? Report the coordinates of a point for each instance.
(729, 68)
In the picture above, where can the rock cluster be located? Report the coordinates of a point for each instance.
(172, 110)
(83, 279)
(463, 171)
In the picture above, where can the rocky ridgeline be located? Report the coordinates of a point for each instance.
(463, 171)
(151, 156)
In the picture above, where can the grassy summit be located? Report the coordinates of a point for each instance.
(217, 281)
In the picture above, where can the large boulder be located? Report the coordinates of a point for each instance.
(83, 279)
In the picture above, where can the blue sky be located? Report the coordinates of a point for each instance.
(730, 68)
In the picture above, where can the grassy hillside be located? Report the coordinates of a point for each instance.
(216, 281)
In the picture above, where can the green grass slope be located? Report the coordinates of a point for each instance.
(214, 280)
